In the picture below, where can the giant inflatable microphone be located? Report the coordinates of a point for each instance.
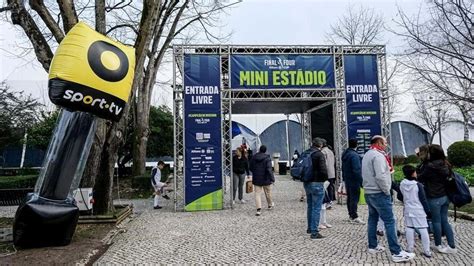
(90, 76)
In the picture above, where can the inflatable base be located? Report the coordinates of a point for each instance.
(41, 222)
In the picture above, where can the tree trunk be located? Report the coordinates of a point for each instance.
(432, 137)
(465, 119)
(92, 165)
(104, 182)
(139, 149)
(100, 21)
(141, 131)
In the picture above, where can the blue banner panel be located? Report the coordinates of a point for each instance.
(282, 71)
(202, 123)
(362, 99)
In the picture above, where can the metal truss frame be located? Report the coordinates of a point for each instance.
(335, 95)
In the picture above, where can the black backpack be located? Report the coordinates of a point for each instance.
(458, 190)
(302, 169)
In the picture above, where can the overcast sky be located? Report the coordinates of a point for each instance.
(252, 22)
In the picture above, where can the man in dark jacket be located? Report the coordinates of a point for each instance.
(315, 189)
(352, 175)
(262, 177)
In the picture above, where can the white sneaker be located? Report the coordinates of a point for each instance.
(233, 202)
(328, 225)
(242, 201)
(402, 256)
(450, 250)
(376, 250)
(258, 213)
(357, 221)
(322, 226)
(442, 249)
(271, 206)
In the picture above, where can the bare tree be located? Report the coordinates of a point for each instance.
(174, 19)
(363, 26)
(44, 32)
(441, 47)
(148, 25)
(358, 26)
(432, 112)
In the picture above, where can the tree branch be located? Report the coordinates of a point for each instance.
(68, 14)
(100, 20)
(21, 17)
(43, 12)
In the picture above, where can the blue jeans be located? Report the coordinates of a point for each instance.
(314, 198)
(439, 217)
(380, 205)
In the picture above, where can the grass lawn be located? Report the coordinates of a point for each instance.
(467, 172)
(469, 208)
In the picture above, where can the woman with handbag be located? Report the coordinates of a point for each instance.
(434, 176)
(240, 170)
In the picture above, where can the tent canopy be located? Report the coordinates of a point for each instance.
(273, 107)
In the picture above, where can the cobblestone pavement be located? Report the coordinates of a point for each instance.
(278, 236)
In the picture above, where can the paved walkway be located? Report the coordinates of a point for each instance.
(278, 236)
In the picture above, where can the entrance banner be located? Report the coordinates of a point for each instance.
(362, 99)
(203, 140)
(282, 71)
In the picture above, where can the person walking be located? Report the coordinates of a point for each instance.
(330, 164)
(240, 170)
(433, 174)
(352, 175)
(415, 210)
(377, 182)
(262, 178)
(315, 188)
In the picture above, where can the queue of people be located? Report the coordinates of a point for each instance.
(423, 192)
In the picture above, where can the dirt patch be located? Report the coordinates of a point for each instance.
(88, 237)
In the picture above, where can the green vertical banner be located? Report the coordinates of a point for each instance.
(203, 137)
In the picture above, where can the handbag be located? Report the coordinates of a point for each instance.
(248, 186)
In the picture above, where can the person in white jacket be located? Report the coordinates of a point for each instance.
(415, 210)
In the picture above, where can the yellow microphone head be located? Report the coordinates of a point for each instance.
(91, 73)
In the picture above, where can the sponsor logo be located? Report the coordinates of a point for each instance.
(100, 103)
(279, 63)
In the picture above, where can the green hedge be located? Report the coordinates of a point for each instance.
(26, 181)
(461, 153)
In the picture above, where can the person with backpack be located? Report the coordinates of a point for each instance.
(314, 179)
(415, 210)
(434, 175)
(352, 175)
(377, 182)
(262, 178)
(296, 156)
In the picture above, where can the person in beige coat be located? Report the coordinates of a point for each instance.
(330, 164)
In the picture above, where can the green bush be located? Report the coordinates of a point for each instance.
(461, 153)
(468, 173)
(27, 181)
(398, 160)
(412, 159)
(141, 182)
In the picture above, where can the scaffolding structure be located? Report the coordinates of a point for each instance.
(333, 96)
